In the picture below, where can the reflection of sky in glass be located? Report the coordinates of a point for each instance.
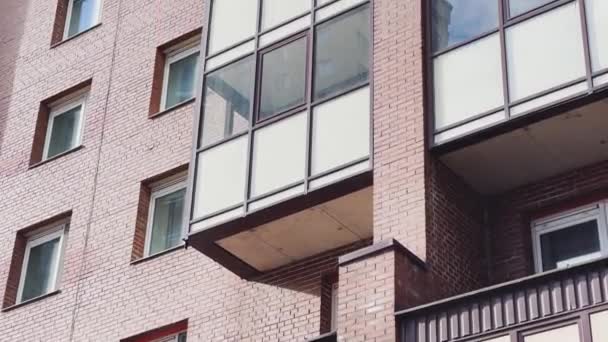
(455, 21)
(517, 7)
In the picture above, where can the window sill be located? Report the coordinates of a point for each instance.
(65, 40)
(29, 301)
(159, 254)
(37, 164)
(172, 108)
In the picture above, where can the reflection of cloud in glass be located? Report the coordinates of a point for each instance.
(517, 7)
(455, 21)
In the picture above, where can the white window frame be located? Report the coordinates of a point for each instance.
(334, 307)
(172, 338)
(175, 54)
(60, 108)
(160, 191)
(68, 18)
(37, 239)
(595, 212)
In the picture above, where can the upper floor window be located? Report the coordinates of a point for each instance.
(571, 238)
(517, 7)
(165, 220)
(42, 263)
(181, 337)
(64, 128)
(181, 69)
(81, 16)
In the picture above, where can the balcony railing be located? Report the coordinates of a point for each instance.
(563, 305)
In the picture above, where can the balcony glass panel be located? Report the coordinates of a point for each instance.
(566, 247)
(598, 32)
(456, 21)
(279, 154)
(342, 52)
(220, 179)
(231, 22)
(568, 333)
(599, 328)
(468, 81)
(283, 78)
(341, 130)
(517, 7)
(545, 51)
(275, 12)
(227, 101)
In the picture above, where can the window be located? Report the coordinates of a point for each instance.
(181, 337)
(283, 78)
(64, 128)
(517, 7)
(334, 306)
(165, 218)
(179, 81)
(571, 238)
(457, 21)
(81, 16)
(42, 263)
(342, 53)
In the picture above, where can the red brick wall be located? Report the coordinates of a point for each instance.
(512, 213)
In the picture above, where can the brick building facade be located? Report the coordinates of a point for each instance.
(431, 208)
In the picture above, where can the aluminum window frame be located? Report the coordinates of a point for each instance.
(56, 230)
(173, 55)
(155, 193)
(68, 19)
(63, 107)
(504, 22)
(172, 338)
(333, 323)
(596, 212)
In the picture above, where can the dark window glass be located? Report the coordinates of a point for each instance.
(40, 269)
(517, 7)
(84, 15)
(64, 133)
(565, 246)
(182, 80)
(283, 78)
(342, 52)
(227, 101)
(167, 222)
(455, 21)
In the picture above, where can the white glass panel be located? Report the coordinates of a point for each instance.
(568, 333)
(499, 339)
(598, 32)
(215, 220)
(600, 80)
(322, 2)
(340, 131)
(338, 175)
(231, 22)
(283, 195)
(40, 269)
(220, 179)
(468, 81)
(599, 326)
(484, 122)
(84, 14)
(552, 97)
(285, 30)
(545, 51)
(334, 8)
(231, 54)
(279, 154)
(275, 12)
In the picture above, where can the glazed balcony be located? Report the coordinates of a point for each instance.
(562, 305)
(282, 166)
(519, 96)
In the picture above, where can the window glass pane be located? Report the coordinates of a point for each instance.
(598, 32)
(568, 333)
(64, 133)
(545, 51)
(182, 80)
(40, 269)
(283, 78)
(455, 21)
(342, 52)
(167, 221)
(181, 337)
(275, 12)
(84, 16)
(227, 101)
(231, 22)
(570, 245)
(517, 7)
(599, 328)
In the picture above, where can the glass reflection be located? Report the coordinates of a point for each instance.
(455, 21)
(517, 7)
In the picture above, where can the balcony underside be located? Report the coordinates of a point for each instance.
(319, 221)
(561, 143)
